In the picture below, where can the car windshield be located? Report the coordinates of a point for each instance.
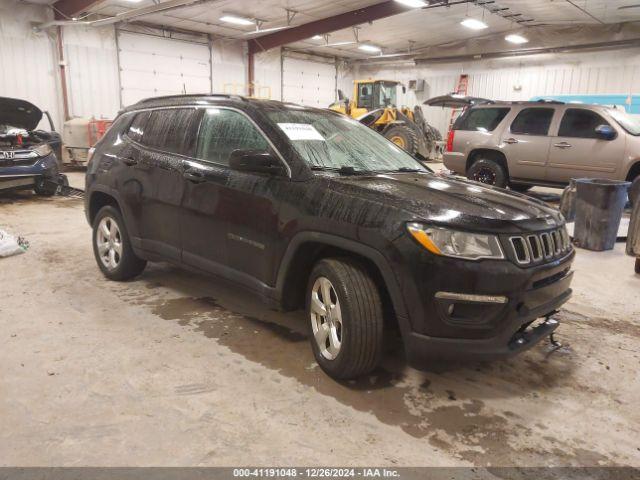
(331, 141)
(626, 121)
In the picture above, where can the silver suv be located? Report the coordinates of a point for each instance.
(521, 144)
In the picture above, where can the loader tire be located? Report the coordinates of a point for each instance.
(404, 137)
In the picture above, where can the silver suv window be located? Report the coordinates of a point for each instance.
(533, 121)
(580, 123)
(481, 119)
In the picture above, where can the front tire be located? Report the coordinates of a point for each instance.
(112, 247)
(489, 172)
(45, 187)
(404, 137)
(344, 311)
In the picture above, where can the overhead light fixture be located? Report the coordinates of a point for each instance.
(317, 37)
(474, 24)
(369, 48)
(515, 38)
(337, 44)
(413, 3)
(236, 20)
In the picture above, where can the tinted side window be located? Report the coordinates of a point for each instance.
(580, 123)
(136, 129)
(481, 119)
(171, 130)
(533, 121)
(223, 131)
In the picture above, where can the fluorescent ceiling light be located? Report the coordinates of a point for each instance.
(474, 24)
(413, 3)
(237, 20)
(317, 37)
(337, 44)
(264, 30)
(369, 48)
(515, 38)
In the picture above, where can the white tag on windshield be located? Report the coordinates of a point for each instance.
(300, 131)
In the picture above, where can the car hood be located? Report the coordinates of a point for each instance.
(453, 202)
(19, 113)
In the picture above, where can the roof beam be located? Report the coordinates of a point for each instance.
(67, 9)
(327, 25)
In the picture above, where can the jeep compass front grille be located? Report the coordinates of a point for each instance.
(535, 248)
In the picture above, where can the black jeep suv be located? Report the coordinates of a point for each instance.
(307, 207)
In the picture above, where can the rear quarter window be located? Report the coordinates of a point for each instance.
(481, 119)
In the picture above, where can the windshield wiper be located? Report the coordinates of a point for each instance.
(344, 170)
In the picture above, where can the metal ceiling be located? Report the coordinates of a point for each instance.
(418, 28)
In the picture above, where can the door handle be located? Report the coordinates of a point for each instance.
(510, 141)
(129, 161)
(194, 177)
(562, 145)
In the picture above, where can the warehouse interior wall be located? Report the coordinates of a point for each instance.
(551, 75)
(28, 59)
(92, 71)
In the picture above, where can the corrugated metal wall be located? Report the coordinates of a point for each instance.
(28, 59)
(92, 66)
(608, 73)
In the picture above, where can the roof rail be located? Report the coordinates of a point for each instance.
(190, 95)
(551, 101)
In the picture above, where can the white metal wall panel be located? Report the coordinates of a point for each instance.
(613, 73)
(92, 71)
(151, 66)
(308, 82)
(229, 67)
(29, 68)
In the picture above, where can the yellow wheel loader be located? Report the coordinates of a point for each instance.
(374, 105)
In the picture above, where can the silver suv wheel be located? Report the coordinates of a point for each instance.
(109, 243)
(326, 318)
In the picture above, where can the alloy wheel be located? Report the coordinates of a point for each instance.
(326, 318)
(109, 243)
(485, 175)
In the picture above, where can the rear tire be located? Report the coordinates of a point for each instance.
(112, 247)
(347, 341)
(404, 137)
(489, 172)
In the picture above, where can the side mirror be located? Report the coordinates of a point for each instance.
(605, 132)
(255, 161)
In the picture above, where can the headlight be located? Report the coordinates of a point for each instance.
(451, 243)
(43, 150)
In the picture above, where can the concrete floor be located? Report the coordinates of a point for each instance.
(179, 369)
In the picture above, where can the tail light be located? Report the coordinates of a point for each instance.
(450, 137)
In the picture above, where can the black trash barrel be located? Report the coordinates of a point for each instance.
(599, 206)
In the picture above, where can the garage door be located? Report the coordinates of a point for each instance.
(308, 82)
(151, 66)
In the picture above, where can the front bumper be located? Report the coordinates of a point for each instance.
(478, 310)
(17, 176)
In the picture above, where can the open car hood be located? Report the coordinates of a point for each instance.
(453, 100)
(19, 113)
